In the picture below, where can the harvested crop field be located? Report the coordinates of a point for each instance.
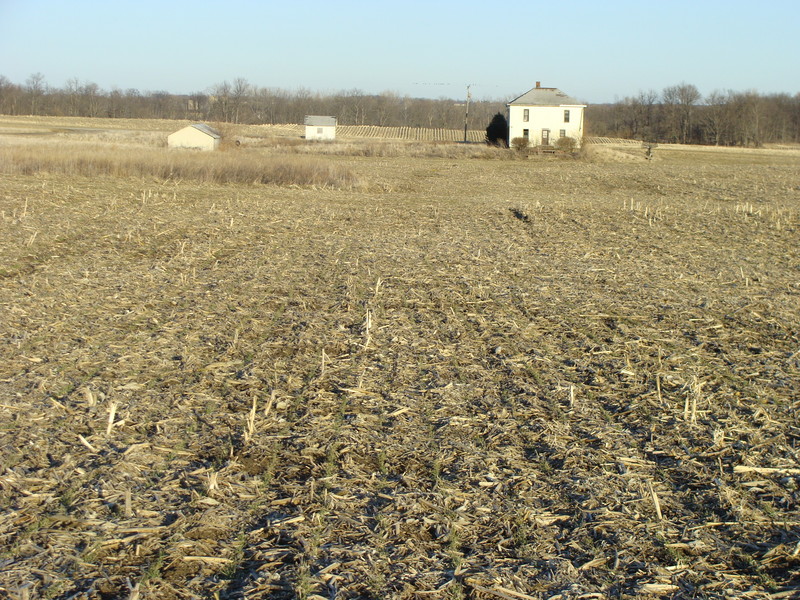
(466, 377)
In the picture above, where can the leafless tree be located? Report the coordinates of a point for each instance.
(749, 110)
(90, 99)
(9, 96)
(221, 101)
(240, 91)
(678, 103)
(717, 119)
(35, 86)
(197, 106)
(646, 102)
(116, 101)
(72, 90)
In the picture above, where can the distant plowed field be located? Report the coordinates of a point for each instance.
(421, 134)
(374, 132)
(608, 140)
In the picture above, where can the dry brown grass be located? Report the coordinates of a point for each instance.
(92, 160)
(396, 149)
(496, 379)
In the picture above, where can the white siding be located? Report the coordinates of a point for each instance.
(545, 117)
(190, 137)
(320, 132)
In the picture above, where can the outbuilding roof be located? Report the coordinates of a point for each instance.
(317, 121)
(542, 96)
(207, 130)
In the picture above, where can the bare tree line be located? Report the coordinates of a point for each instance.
(238, 101)
(680, 114)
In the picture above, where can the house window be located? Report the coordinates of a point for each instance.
(526, 114)
(319, 130)
(562, 133)
(526, 133)
(566, 116)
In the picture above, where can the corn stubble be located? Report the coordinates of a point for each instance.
(464, 378)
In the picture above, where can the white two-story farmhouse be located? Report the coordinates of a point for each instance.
(542, 115)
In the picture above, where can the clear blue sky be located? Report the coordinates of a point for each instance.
(597, 51)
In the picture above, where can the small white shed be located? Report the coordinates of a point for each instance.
(198, 136)
(320, 128)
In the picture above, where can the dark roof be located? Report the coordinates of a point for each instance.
(316, 121)
(541, 96)
(207, 130)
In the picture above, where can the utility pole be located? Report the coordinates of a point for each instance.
(465, 105)
(466, 112)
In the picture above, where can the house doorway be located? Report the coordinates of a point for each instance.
(545, 137)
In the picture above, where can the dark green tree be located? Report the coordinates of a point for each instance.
(497, 131)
